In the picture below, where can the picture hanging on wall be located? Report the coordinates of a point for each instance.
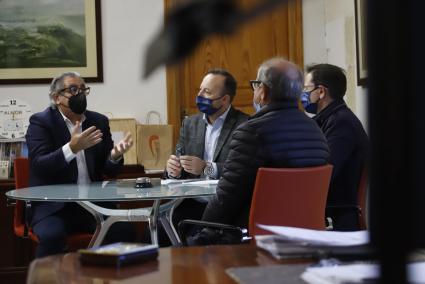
(40, 39)
(361, 51)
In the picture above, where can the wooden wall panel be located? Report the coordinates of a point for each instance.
(274, 34)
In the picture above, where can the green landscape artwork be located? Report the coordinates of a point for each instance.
(42, 33)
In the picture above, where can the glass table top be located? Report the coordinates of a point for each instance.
(120, 190)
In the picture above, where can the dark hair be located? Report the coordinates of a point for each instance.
(283, 78)
(330, 76)
(230, 84)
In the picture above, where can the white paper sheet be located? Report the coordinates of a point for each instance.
(317, 237)
(173, 181)
(202, 182)
(355, 273)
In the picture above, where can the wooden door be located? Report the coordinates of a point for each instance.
(274, 34)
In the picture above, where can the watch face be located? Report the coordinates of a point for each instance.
(209, 170)
(14, 118)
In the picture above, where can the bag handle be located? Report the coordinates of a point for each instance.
(153, 112)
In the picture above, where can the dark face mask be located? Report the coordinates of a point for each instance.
(78, 103)
(205, 105)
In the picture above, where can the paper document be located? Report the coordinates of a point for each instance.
(190, 181)
(202, 182)
(154, 171)
(355, 273)
(172, 181)
(317, 237)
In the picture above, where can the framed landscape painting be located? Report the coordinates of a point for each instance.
(40, 39)
(361, 57)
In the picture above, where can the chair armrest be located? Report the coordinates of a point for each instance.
(196, 232)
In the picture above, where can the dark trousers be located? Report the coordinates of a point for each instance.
(344, 219)
(53, 230)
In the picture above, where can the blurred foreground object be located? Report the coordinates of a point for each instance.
(187, 25)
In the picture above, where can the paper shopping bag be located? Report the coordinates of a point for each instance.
(154, 143)
(119, 128)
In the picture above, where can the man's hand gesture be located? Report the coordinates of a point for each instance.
(123, 146)
(192, 164)
(86, 139)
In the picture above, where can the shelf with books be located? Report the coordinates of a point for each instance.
(9, 150)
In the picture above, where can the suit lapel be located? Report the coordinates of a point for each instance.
(61, 127)
(200, 144)
(63, 137)
(88, 153)
(225, 132)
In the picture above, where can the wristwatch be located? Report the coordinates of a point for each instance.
(209, 170)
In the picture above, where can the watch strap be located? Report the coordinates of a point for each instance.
(209, 170)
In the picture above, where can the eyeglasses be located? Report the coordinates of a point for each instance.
(255, 84)
(312, 88)
(75, 90)
(315, 87)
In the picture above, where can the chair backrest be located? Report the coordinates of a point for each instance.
(362, 198)
(21, 174)
(290, 197)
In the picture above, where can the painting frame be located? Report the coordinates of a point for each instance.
(361, 49)
(92, 72)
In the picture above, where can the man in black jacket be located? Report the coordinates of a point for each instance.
(279, 135)
(325, 87)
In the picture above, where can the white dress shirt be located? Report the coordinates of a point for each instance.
(212, 134)
(83, 174)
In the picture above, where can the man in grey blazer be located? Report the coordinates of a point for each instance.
(204, 138)
(203, 144)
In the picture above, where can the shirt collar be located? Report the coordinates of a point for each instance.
(221, 117)
(83, 117)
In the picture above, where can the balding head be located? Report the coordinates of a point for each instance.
(283, 79)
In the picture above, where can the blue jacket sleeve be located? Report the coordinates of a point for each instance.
(47, 158)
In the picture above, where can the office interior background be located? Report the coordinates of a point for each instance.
(128, 26)
(328, 36)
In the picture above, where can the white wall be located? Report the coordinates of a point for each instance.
(329, 37)
(127, 27)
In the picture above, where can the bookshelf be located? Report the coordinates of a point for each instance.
(9, 150)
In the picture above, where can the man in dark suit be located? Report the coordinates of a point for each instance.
(68, 144)
(204, 138)
(325, 87)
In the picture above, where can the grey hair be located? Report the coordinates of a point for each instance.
(283, 78)
(57, 83)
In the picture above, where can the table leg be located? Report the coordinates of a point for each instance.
(162, 212)
(166, 219)
(114, 215)
(153, 222)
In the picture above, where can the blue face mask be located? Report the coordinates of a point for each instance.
(205, 105)
(256, 106)
(307, 104)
